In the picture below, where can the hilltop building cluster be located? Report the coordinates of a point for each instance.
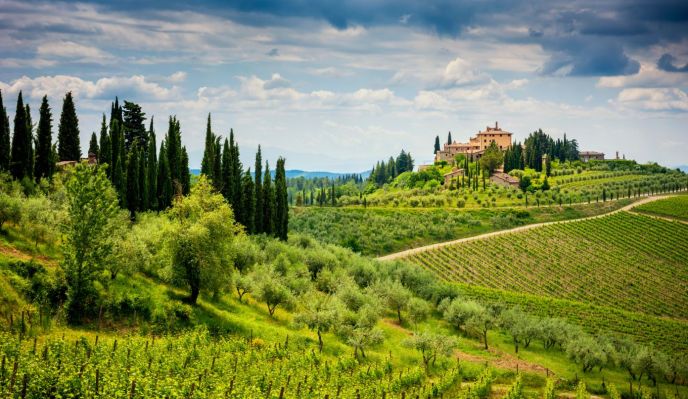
(477, 145)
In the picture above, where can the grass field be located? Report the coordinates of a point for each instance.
(623, 260)
(379, 231)
(674, 207)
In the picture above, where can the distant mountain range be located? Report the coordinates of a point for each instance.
(292, 173)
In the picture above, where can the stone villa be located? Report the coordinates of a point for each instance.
(586, 156)
(477, 145)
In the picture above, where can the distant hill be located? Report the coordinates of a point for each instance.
(303, 173)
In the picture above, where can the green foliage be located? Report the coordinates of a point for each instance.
(200, 239)
(4, 137)
(320, 313)
(44, 162)
(21, 163)
(431, 345)
(492, 159)
(550, 392)
(676, 207)
(91, 206)
(515, 390)
(68, 146)
(10, 209)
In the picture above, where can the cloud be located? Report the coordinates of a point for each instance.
(459, 72)
(273, 52)
(588, 58)
(654, 99)
(177, 77)
(667, 63)
(104, 88)
(648, 76)
(74, 52)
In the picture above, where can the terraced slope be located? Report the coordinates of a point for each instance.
(624, 260)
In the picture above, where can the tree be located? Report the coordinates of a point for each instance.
(268, 202)
(272, 289)
(586, 351)
(396, 296)
(492, 158)
(522, 327)
(118, 174)
(363, 337)
(248, 204)
(449, 138)
(105, 155)
(4, 137)
(93, 146)
(185, 173)
(38, 219)
(152, 169)
(437, 145)
(545, 185)
(174, 153)
(524, 183)
(418, 310)
(258, 187)
(91, 206)
(44, 163)
(481, 321)
(10, 209)
(320, 314)
(208, 162)
(243, 285)
(133, 119)
(68, 146)
(281, 202)
(226, 171)
(165, 187)
(133, 187)
(200, 239)
(22, 140)
(431, 346)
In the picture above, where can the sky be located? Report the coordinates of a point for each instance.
(337, 85)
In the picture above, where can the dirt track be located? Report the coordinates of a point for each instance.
(408, 252)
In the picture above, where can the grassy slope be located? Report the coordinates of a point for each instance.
(379, 231)
(675, 207)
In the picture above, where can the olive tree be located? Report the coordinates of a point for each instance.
(320, 314)
(431, 345)
(587, 352)
(395, 295)
(200, 239)
(272, 288)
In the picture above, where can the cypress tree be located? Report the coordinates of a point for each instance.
(174, 154)
(248, 199)
(133, 119)
(152, 169)
(68, 146)
(4, 137)
(119, 180)
(93, 146)
(258, 187)
(281, 201)
(142, 178)
(268, 202)
(44, 165)
(185, 173)
(133, 192)
(105, 155)
(217, 164)
(449, 139)
(208, 162)
(165, 188)
(20, 165)
(115, 112)
(236, 171)
(227, 172)
(29, 128)
(437, 144)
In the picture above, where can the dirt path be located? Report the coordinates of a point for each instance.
(408, 252)
(12, 252)
(652, 215)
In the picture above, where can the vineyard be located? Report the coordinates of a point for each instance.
(195, 365)
(676, 207)
(623, 260)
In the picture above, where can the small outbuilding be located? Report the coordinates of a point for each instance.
(504, 179)
(455, 173)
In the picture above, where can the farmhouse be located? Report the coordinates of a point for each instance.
(91, 160)
(504, 179)
(477, 145)
(586, 156)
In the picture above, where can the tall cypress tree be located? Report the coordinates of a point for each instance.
(249, 203)
(119, 180)
(227, 172)
(185, 174)
(143, 180)
(165, 188)
(449, 138)
(115, 112)
(105, 154)
(4, 137)
(174, 154)
(93, 146)
(281, 201)
(133, 193)
(268, 202)
(21, 143)
(236, 172)
(217, 164)
(152, 169)
(44, 164)
(208, 162)
(437, 144)
(68, 146)
(29, 128)
(258, 188)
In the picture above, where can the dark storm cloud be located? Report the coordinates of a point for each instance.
(587, 38)
(667, 63)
